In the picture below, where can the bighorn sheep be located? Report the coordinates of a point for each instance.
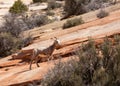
(37, 53)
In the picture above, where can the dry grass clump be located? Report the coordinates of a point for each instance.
(73, 22)
(102, 14)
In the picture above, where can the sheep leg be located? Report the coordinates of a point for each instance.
(33, 57)
(36, 61)
(37, 64)
(30, 64)
(50, 58)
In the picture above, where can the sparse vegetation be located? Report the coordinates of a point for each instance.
(7, 43)
(52, 4)
(50, 13)
(73, 22)
(35, 20)
(76, 7)
(10, 39)
(16, 24)
(10, 44)
(97, 66)
(102, 14)
(18, 7)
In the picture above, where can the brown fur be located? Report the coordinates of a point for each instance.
(46, 53)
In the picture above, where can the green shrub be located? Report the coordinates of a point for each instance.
(92, 69)
(102, 14)
(18, 7)
(73, 22)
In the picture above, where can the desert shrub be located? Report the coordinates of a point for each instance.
(96, 4)
(62, 75)
(25, 41)
(92, 69)
(102, 14)
(50, 13)
(70, 7)
(18, 7)
(10, 44)
(10, 39)
(16, 24)
(76, 7)
(73, 22)
(36, 1)
(52, 4)
(12, 25)
(7, 44)
(35, 20)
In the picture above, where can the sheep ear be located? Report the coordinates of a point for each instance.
(55, 38)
